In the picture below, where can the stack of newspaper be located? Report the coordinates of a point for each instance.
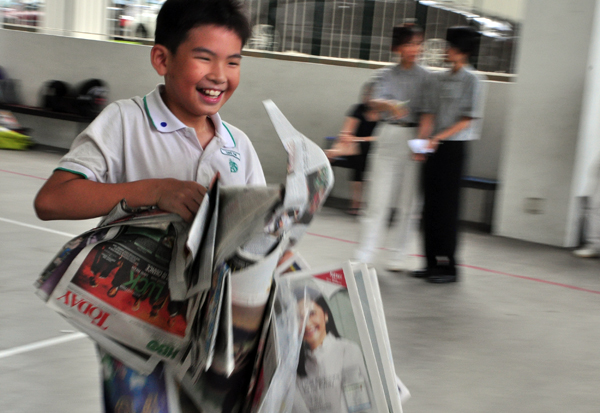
(328, 348)
(200, 313)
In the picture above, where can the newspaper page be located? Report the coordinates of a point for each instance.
(277, 378)
(201, 244)
(243, 213)
(373, 311)
(293, 263)
(309, 179)
(204, 328)
(256, 385)
(336, 369)
(119, 287)
(51, 275)
(377, 302)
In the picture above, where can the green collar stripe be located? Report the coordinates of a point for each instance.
(73, 172)
(148, 113)
(234, 143)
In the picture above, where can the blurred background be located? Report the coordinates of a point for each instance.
(355, 29)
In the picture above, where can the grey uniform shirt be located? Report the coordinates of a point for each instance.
(396, 83)
(453, 96)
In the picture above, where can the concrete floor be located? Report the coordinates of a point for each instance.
(519, 333)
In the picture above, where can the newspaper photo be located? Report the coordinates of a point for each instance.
(336, 369)
(119, 287)
(52, 274)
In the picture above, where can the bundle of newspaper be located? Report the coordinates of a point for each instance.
(328, 347)
(150, 288)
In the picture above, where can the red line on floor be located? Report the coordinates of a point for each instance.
(331, 238)
(18, 173)
(523, 277)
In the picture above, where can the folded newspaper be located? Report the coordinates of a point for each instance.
(192, 309)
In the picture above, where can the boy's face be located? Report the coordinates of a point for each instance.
(203, 74)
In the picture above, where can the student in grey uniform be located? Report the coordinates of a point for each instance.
(453, 104)
(398, 96)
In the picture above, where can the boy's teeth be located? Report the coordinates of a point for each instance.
(211, 92)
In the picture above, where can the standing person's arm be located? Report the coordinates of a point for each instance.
(70, 196)
(348, 131)
(435, 140)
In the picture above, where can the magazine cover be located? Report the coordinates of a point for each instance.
(337, 370)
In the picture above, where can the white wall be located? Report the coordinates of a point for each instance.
(508, 9)
(539, 153)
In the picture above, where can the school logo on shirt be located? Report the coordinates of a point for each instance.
(234, 154)
(233, 166)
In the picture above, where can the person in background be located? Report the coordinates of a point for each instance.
(591, 248)
(453, 104)
(398, 97)
(357, 129)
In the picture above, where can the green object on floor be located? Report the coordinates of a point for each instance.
(13, 140)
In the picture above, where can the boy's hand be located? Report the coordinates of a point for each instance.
(180, 197)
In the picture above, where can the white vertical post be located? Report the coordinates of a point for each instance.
(588, 144)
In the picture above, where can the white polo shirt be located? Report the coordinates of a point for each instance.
(140, 138)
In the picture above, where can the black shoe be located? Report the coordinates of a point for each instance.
(443, 276)
(424, 273)
(442, 279)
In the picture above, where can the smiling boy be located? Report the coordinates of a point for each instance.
(164, 149)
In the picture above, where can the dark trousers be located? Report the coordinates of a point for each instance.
(442, 173)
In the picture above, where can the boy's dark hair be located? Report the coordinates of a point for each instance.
(177, 17)
(402, 35)
(464, 38)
